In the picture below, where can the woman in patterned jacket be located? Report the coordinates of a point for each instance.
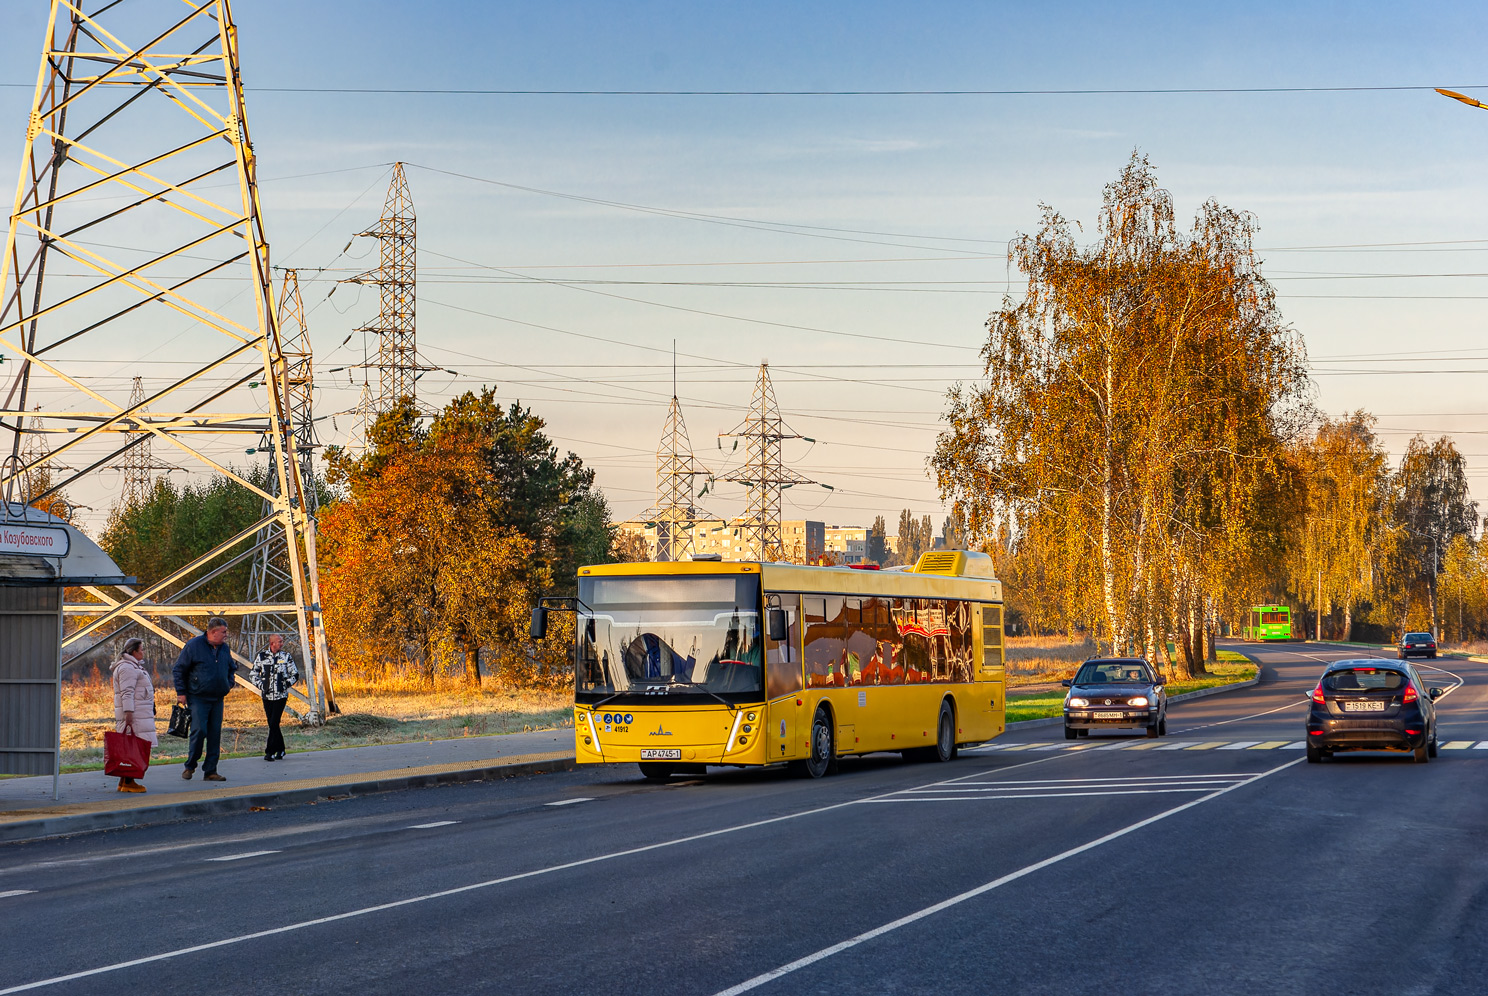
(274, 671)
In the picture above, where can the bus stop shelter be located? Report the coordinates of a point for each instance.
(40, 556)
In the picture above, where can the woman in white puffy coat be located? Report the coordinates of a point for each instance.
(134, 701)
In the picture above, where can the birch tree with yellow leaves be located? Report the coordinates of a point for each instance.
(1134, 415)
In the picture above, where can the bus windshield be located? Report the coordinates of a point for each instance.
(693, 635)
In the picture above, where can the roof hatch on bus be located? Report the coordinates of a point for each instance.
(956, 563)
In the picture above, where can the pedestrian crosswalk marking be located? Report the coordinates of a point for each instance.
(1270, 745)
(1457, 745)
(1242, 745)
(1206, 746)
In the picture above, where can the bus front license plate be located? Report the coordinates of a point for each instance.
(661, 755)
(1110, 715)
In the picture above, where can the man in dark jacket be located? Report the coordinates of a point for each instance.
(203, 676)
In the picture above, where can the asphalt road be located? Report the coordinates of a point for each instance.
(1214, 861)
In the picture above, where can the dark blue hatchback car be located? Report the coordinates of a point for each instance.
(1371, 704)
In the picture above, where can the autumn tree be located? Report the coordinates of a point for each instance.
(915, 537)
(445, 534)
(1432, 506)
(876, 548)
(1343, 529)
(1133, 417)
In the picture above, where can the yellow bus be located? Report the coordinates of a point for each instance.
(682, 665)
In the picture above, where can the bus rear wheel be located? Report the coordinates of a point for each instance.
(655, 772)
(944, 748)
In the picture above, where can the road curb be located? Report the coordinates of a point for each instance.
(1197, 693)
(90, 817)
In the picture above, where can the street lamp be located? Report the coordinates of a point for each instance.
(1462, 97)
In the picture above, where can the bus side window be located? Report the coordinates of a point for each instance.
(879, 643)
(783, 660)
(826, 643)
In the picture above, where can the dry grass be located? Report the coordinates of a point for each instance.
(370, 714)
(1036, 660)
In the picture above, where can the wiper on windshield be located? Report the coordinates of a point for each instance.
(656, 689)
(699, 685)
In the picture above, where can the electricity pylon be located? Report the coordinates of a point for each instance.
(396, 278)
(675, 513)
(764, 472)
(270, 581)
(117, 248)
(138, 464)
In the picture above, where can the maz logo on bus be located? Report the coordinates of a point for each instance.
(660, 731)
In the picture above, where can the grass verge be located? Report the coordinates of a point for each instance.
(1231, 668)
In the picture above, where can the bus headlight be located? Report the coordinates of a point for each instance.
(749, 716)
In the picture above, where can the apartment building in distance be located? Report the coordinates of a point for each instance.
(802, 540)
(847, 544)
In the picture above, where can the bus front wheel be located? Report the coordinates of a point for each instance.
(823, 759)
(657, 772)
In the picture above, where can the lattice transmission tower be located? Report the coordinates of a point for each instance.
(139, 465)
(270, 580)
(396, 278)
(135, 231)
(764, 472)
(675, 512)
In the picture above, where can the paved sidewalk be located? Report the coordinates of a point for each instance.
(90, 800)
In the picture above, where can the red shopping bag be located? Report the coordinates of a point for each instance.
(125, 755)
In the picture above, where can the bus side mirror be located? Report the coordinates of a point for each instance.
(539, 622)
(778, 625)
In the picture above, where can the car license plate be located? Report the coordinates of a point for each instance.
(1110, 715)
(661, 755)
(1363, 707)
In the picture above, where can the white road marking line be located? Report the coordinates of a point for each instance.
(1269, 745)
(458, 890)
(996, 883)
(1052, 747)
(1085, 781)
(1446, 691)
(568, 802)
(431, 826)
(1241, 745)
(1031, 795)
(16, 892)
(1179, 745)
(1297, 745)
(1241, 719)
(240, 857)
(1482, 745)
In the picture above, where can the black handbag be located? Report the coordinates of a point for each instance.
(180, 722)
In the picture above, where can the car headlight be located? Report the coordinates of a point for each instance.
(1137, 700)
(1077, 703)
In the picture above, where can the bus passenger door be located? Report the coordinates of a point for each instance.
(992, 675)
(784, 683)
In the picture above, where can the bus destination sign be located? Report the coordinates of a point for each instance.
(33, 541)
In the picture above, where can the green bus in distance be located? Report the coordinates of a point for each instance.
(1267, 622)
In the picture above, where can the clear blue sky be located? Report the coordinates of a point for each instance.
(1318, 169)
